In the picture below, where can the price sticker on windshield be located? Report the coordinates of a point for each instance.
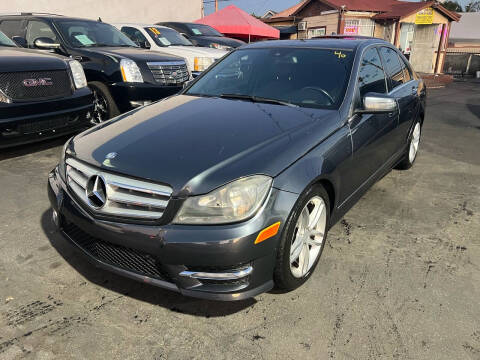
(340, 54)
(155, 31)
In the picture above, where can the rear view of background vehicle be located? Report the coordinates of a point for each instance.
(204, 35)
(41, 95)
(121, 75)
(164, 39)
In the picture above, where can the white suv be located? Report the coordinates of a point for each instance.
(167, 40)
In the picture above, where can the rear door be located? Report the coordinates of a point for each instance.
(372, 134)
(403, 88)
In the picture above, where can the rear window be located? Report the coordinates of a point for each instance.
(203, 30)
(305, 77)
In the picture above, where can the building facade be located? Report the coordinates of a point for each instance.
(141, 11)
(419, 29)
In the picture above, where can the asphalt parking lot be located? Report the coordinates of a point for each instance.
(399, 277)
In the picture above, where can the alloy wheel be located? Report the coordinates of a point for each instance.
(100, 110)
(308, 237)
(412, 154)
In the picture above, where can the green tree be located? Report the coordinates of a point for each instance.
(452, 5)
(473, 6)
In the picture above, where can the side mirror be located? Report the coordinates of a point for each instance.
(374, 103)
(144, 44)
(46, 43)
(20, 41)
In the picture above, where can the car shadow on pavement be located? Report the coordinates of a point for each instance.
(140, 291)
(26, 149)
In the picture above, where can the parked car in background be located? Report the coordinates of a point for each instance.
(121, 75)
(204, 35)
(167, 40)
(41, 95)
(231, 186)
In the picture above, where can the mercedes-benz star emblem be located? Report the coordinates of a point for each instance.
(96, 192)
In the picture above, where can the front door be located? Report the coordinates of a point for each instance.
(372, 134)
(424, 46)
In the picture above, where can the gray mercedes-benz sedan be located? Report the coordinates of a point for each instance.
(230, 187)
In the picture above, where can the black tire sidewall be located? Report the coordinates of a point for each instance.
(112, 109)
(283, 276)
(405, 164)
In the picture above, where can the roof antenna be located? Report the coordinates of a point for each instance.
(99, 19)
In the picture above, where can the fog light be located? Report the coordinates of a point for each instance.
(56, 219)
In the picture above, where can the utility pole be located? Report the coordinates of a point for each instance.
(216, 5)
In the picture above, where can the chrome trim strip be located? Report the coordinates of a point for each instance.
(235, 275)
(166, 63)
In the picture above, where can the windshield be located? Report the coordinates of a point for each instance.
(298, 76)
(80, 34)
(167, 37)
(203, 30)
(5, 41)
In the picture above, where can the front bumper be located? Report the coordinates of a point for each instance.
(178, 257)
(126, 95)
(26, 122)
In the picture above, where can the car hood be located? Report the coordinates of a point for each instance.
(18, 59)
(192, 51)
(222, 40)
(133, 53)
(196, 144)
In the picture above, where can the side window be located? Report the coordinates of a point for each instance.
(407, 73)
(12, 28)
(134, 34)
(37, 29)
(371, 77)
(393, 68)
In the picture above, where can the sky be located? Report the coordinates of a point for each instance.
(259, 7)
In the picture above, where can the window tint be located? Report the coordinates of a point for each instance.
(12, 28)
(37, 29)
(315, 78)
(134, 34)
(407, 74)
(393, 68)
(371, 77)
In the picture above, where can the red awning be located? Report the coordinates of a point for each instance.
(235, 22)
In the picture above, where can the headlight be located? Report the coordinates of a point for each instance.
(220, 47)
(202, 63)
(236, 201)
(78, 74)
(130, 71)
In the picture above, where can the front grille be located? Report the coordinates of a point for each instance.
(173, 73)
(36, 85)
(119, 256)
(124, 196)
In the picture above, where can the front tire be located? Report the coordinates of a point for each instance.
(303, 239)
(105, 107)
(412, 151)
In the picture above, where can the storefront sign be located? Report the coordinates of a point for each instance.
(424, 17)
(351, 30)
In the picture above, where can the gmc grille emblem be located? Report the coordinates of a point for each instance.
(38, 82)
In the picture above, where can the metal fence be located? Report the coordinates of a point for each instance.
(462, 64)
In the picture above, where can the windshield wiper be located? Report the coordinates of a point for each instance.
(257, 99)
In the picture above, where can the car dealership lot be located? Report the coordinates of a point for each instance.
(398, 279)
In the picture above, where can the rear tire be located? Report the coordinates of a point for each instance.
(105, 106)
(412, 149)
(306, 235)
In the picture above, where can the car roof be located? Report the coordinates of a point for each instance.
(45, 17)
(141, 25)
(333, 42)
